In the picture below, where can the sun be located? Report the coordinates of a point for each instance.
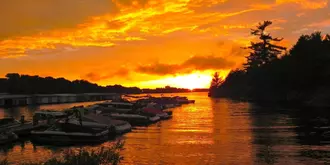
(190, 81)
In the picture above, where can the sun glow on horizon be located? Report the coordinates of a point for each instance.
(189, 81)
(145, 43)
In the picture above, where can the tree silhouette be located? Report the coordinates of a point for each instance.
(264, 51)
(13, 82)
(302, 75)
(216, 80)
(215, 83)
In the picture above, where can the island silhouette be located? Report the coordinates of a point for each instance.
(271, 74)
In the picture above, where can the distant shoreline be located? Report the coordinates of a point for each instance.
(15, 83)
(12, 100)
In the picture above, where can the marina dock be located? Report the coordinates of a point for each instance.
(8, 100)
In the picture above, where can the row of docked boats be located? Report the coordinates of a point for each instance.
(91, 124)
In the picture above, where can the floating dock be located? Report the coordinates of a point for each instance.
(8, 100)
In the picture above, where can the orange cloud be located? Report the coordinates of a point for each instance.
(32, 17)
(306, 4)
(108, 29)
(194, 63)
(322, 24)
(72, 38)
(98, 76)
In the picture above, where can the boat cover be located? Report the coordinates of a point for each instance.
(152, 110)
(104, 119)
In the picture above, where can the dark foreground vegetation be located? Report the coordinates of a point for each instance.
(271, 74)
(15, 83)
(109, 156)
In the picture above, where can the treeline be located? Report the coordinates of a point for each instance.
(15, 83)
(300, 75)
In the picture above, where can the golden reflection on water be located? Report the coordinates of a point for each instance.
(211, 131)
(199, 133)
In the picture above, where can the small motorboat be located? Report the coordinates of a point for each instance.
(183, 100)
(48, 116)
(7, 137)
(168, 112)
(157, 112)
(45, 114)
(8, 122)
(119, 126)
(20, 128)
(72, 131)
(25, 129)
(167, 106)
(160, 107)
(134, 119)
(116, 107)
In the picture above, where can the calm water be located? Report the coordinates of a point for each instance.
(211, 131)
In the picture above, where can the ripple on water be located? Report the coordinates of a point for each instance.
(211, 131)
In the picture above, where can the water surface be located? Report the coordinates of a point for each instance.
(211, 131)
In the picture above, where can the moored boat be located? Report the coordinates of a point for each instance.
(48, 116)
(134, 119)
(20, 128)
(72, 132)
(119, 126)
(159, 103)
(157, 112)
(8, 122)
(183, 100)
(116, 107)
(7, 137)
(159, 107)
(44, 114)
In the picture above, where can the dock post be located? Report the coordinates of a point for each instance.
(22, 119)
(35, 120)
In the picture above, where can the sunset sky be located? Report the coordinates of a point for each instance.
(144, 43)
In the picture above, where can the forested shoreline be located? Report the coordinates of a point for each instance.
(300, 75)
(14, 83)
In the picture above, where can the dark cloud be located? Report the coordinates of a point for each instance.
(122, 72)
(159, 69)
(130, 2)
(238, 51)
(221, 43)
(208, 62)
(92, 76)
(191, 64)
(26, 17)
(97, 76)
